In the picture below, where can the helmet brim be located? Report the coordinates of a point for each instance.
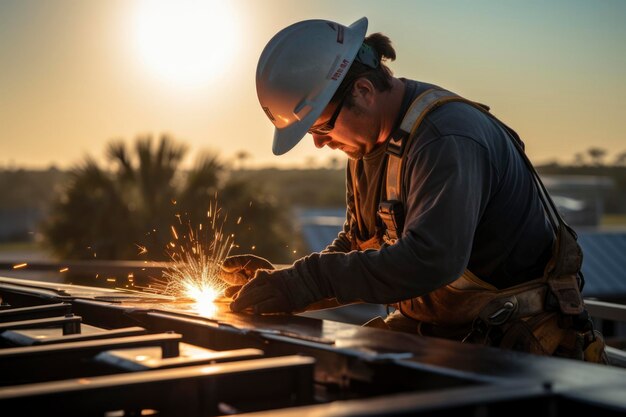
(288, 137)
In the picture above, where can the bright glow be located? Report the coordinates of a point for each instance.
(186, 42)
(195, 271)
(204, 297)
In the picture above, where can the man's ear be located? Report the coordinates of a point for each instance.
(364, 91)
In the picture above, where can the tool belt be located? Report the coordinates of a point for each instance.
(459, 302)
(520, 318)
(527, 317)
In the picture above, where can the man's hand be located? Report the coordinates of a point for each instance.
(239, 269)
(287, 290)
(265, 293)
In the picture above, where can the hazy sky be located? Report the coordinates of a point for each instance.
(75, 74)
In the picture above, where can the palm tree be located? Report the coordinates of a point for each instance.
(90, 217)
(242, 156)
(109, 213)
(147, 182)
(597, 155)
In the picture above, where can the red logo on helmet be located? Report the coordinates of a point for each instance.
(342, 67)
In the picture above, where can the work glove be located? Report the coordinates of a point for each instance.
(277, 291)
(239, 269)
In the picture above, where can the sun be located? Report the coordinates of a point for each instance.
(185, 42)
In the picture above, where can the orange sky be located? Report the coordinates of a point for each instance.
(77, 74)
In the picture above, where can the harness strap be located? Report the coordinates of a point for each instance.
(356, 198)
(424, 104)
(398, 142)
(562, 272)
(390, 210)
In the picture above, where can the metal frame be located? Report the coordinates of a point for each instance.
(606, 311)
(25, 339)
(70, 324)
(36, 312)
(189, 391)
(74, 359)
(407, 374)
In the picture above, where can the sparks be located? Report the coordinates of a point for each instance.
(18, 266)
(194, 273)
(142, 249)
(64, 269)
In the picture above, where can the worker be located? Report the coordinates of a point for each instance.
(446, 221)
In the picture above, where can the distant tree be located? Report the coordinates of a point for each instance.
(579, 159)
(242, 156)
(597, 155)
(122, 211)
(334, 163)
(310, 162)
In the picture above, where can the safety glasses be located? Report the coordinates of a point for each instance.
(326, 127)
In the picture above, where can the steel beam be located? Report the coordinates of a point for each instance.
(74, 359)
(189, 391)
(36, 312)
(28, 338)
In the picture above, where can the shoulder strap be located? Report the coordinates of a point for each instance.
(390, 210)
(352, 164)
(421, 106)
(564, 268)
(400, 139)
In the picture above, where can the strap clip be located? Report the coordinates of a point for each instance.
(396, 143)
(391, 213)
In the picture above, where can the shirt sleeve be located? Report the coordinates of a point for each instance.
(342, 242)
(449, 182)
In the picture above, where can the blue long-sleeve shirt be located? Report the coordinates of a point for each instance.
(470, 204)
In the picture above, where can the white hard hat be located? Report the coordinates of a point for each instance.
(300, 70)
